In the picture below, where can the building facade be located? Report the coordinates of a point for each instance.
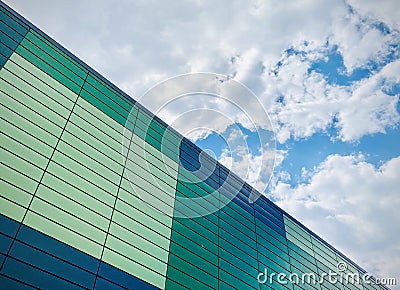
(71, 210)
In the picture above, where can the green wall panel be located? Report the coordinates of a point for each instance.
(185, 263)
(107, 92)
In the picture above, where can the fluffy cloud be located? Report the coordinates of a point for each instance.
(386, 11)
(309, 104)
(353, 205)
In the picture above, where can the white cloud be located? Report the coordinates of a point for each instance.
(310, 103)
(360, 41)
(354, 206)
(386, 11)
(370, 109)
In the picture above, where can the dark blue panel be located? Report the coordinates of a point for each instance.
(191, 154)
(12, 21)
(7, 283)
(269, 216)
(8, 226)
(10, 32)
(7, 46)
(270, 207)
(3, 59)
(272, 225)
(5, 243)
(122, 278)
(190, 163)
(51, 264)
(57, 248)
(245, 205)
(106, 285)
(34, 276)
(2, 257)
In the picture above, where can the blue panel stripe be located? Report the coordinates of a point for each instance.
(106, 285)
(34, 276)
(51, 264)
(122, 278)
(8, 283)
(272, 225)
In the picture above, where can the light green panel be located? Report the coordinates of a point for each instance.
(21, 165)
(60, 97)
(33, 106)
(80, 185)
(70, 229)
(141, 238)
(14, 194)
(138, 231)
(133, 268)
(77, 208)
(85, 172)
(10, 209)
(138, 255)
(49, 130)
(14, 145)
(79, 140)
(16, 179)
(26, 132)
(57, 214)
(131, 205)
(150, 183)
(85, 185)
(113, 131)
(87, 198)
(12, 168)
(163, 172)
(156, 158)
(89, 138)
(17, 131)
(95, 165)
(56, 230)
(155, 247)
(298, 236)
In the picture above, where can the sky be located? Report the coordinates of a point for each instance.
(327, 72)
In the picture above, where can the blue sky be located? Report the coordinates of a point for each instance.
(326, 71)
(307, 153)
